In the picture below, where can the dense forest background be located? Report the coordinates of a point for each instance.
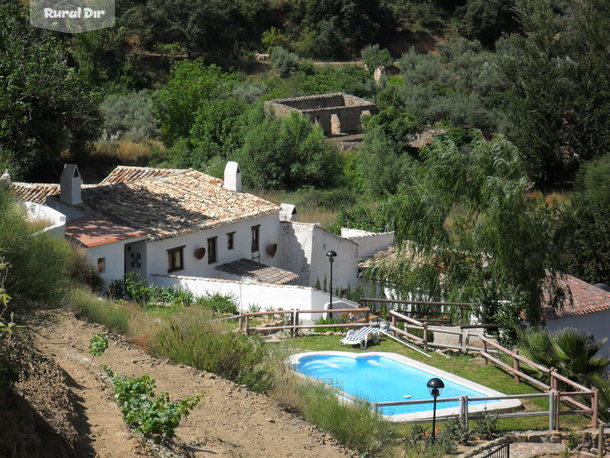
(519, 89)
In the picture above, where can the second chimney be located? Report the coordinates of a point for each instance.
(232, 177)
(70, 185)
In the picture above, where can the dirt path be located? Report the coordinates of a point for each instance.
(230, 421)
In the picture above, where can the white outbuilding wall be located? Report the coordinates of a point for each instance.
(56, 220)
(596, 323)
(369, 243)
(264, 295)
(303, 248)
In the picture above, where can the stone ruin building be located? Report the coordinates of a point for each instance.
(337, 114)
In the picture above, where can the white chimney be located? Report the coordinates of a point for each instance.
(288, 212)
(232, 177)
(70, 185)
(5, 179)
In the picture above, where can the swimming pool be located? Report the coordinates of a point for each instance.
(389, 377)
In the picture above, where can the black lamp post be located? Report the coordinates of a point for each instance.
(435, 386)
(331, 255)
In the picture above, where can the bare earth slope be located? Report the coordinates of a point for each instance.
(230, 421)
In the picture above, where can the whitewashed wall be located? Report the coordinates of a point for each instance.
(114, 254)
(303, 248)
(157, 262)
(369, 243)
(267, 296)
(597, 323)
(38, 212)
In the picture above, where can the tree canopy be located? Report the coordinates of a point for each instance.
(45, 107)
(474, 233)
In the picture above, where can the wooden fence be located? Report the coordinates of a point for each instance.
(427, 329)
(292, 324)
(559, 389)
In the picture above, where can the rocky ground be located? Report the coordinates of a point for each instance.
(230, 420)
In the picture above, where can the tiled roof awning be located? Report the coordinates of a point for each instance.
(257, 271)
(90, 232)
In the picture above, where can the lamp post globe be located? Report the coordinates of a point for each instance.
(435, 386)
(331, 255)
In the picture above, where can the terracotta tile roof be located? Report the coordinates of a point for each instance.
(257, 271)
(391, 256)
(90, 232)
(34, 192)
(586, 299)
(126, 174)
(170, 205)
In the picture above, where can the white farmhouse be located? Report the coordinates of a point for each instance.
(184, 228)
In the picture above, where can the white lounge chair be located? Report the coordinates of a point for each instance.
(361, 336)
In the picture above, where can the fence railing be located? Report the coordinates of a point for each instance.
(464, 337)
(292, 323)
(500, 451)
(556, 380)
(464, 309)
(560, 387)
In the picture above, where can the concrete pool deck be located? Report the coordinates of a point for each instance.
(500, 405)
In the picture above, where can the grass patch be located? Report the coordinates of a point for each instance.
(354, 425)
(189, 337)
(114, 316)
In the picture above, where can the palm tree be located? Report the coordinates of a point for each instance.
(572, 352)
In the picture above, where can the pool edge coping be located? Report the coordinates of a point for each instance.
(503, 404)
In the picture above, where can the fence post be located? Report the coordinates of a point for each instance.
(366, 316)
(425, 335)
(595, 406)
(553, 379)
(600, 440)
(485, 351)
(516, 367)
(394, 324)
(296, 323)
(375, 408)
(241, 322)
(557, 408)
(294, 312)
(551, 410)
(461, 340)
(247, 325)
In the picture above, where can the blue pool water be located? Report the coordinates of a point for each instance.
(378, 378)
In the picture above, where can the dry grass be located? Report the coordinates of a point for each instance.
(308, 209)
(125, 152)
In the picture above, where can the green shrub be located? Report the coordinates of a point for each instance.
(154, 417)
(355, 425)
(284, 62)
(219, 303)
(39, 263)
(97, 310)
(373, 57)
(335, 199)
(331, 321)
(98, 344)
(487, 427)
(191, 338)
(129, 117)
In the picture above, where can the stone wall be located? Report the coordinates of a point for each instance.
(335, 113)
